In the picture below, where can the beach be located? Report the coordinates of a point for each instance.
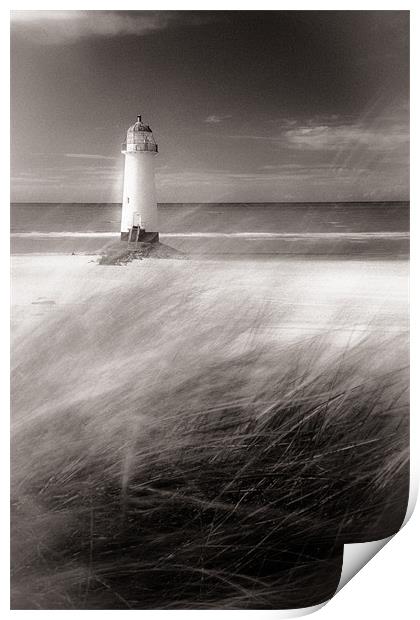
(236, 410)
(300, 296)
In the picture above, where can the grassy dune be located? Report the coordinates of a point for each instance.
(167, 454)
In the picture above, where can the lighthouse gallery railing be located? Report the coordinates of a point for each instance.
(147, 146)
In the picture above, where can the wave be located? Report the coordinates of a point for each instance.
(227, 235)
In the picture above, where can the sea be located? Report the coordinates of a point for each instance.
(367, 229)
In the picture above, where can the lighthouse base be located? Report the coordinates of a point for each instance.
(144, 237)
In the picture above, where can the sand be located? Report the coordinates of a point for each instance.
(296, 296)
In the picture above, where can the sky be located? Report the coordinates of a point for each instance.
(246, 106)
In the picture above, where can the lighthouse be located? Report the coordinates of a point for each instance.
(139, 218)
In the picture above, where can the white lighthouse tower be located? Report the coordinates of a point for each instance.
(139, 209)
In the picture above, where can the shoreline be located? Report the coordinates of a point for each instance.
(342, 246)
(243, 256)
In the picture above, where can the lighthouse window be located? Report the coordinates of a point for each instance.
(128, 200)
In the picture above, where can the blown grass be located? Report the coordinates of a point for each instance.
(169, 454)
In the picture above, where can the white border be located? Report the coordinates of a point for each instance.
(386, 587)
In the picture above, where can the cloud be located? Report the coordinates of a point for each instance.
(388, 133)
(90, 175)
(298, 182)
(296, 168)
(268, 138)
(55, 27)
(267, 174)
(88, 156)
(244, 136)
(32, 179)
(347, 136)
(217, 118)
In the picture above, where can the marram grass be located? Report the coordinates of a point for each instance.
(177, 462)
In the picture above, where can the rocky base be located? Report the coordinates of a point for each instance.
(121, 253)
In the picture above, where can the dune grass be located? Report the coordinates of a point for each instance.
(167, 455)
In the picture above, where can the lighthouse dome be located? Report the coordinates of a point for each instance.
(139, 138)
(139, 126)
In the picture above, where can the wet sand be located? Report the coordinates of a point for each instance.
(343, 246)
